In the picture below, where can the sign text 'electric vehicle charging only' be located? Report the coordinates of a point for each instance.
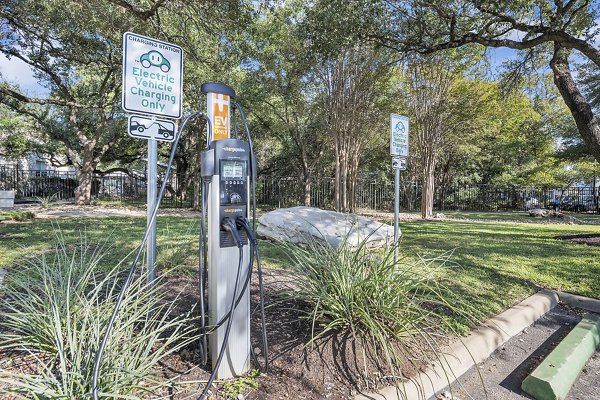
(152, 76)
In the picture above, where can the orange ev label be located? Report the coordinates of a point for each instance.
(220, 106)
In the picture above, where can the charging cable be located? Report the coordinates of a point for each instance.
(229, 226)
(244, 224)
(129, 279)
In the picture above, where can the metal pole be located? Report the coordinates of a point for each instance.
(396, 211)
(151, 183)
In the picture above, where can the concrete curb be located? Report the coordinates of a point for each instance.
(555, 376)
(585, 303)
(461, 355)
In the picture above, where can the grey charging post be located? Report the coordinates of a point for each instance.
(399, 151)
(226, 168)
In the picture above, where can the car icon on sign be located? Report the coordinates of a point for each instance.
(136, 126)
(155, 59)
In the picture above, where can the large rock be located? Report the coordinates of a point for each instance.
(538, 212)
(301, 224)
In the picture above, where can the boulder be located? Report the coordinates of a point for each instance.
(538, 212)
(302, 224)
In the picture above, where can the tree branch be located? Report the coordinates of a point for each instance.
(586, 121)
(142, 14)
(32, 100)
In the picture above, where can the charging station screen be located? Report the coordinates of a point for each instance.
(233, 170)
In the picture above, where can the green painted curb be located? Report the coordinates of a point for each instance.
(553, 378)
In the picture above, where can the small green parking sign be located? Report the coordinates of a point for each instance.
(398, 135)
(152, 76)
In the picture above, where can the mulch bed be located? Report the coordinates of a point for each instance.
(330, 368)
(327, 369)
(589, 239)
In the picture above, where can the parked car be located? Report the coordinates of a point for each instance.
(559, 203)
(136, 126)
(532, 202)
(585, 204)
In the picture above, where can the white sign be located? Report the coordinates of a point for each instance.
(152, 76)
(151, 128)
(399, 163)
(398, 135)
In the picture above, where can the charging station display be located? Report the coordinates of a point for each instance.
(232, 170)
(233, 182)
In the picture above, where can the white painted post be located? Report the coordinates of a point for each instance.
(396, 210)
(152, 180)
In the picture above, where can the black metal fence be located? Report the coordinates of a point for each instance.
(378, 195)
(279, 192)
(34, 185)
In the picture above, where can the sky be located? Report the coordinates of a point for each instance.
(15, 71)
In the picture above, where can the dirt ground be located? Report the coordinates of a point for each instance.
(589, 239)
(69, 210)
(328, 369)
(503, 372)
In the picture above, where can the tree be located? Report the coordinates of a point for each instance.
(281, 88)
(74, 49)
(76, 56)
(428, 88)
(351, 81)
(553, 29)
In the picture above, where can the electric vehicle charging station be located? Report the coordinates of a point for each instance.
(227, 245)
(225, 167)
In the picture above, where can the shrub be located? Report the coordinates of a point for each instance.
(389, 307)
(56, 307)
(17, 215)
(45, 201)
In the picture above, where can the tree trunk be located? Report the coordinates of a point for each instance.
(586, 121)
(85, 177)
(337, 184)
(344, 183)
(307, 188)
(428, 191)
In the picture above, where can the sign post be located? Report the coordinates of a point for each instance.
(152, 181)
(152, 85)
(399, 152)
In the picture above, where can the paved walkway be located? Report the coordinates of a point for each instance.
(73, 211)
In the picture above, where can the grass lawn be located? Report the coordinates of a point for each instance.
(493, 264)
(498, 264)
(516, 216)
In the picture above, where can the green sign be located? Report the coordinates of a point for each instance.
(152, 76)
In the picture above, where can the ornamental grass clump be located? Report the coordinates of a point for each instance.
(392, 308)
(54, 312)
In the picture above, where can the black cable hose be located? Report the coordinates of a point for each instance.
(229, 225)
(253, 229)
(243, 222)
(252, 169)
(129, 278)
(234, 123)
(240, 296)
(202, 252)
(201, 267)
